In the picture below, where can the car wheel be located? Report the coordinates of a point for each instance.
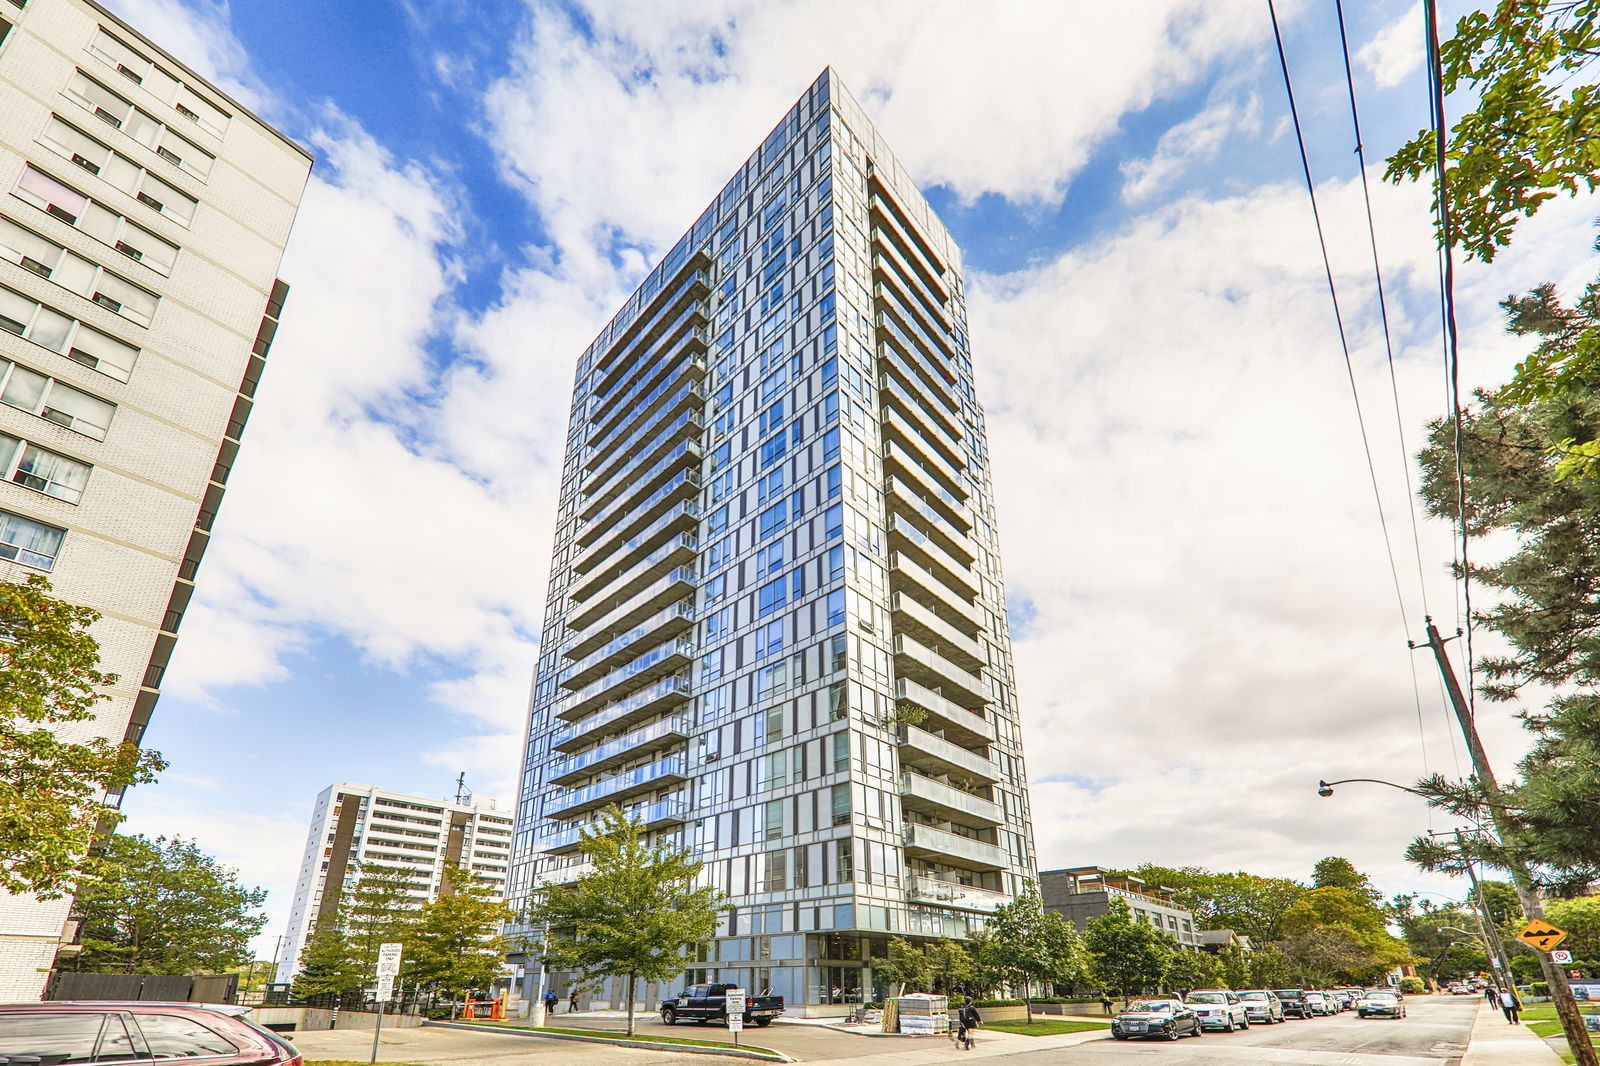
(762, 1023)
(1228, 1026)
(1198, 1029)
(1173, 1034)
(1246, 1023)
(669, 1016)
(1119, 1036)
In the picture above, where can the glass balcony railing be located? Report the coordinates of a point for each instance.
(612, 789)
(916, 617)
(903, 568)
(937, 432)
(936, 503)
(955, 894)
(615, 552)
(632, 477)
(689, 423)
(910, 465)
(667, 731)
(656, 359)
(955, 572)
(953, 848)
(681, 483)
(952, 804)
(573, 676)
(636, 608)
(624, 352)
(663, 396)
(621, 582)
(955, 719)
(664, 658)
(914, 437)
(638, 401)
(658, 697)
(918, 746)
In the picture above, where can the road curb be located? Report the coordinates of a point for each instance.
(618, 1041)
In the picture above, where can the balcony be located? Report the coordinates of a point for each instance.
(946, 716)
(910, 264)
(926, 842)
(654, 737)
(657, 815)
(892, 357)
(681, 395)
(951, 804)
(898, 394)
(609, 615)
(659, 626)
(947, 466)
(924, 624)
(906, 464)
(955, 571)
(661, 356)
(941, 504)
(659, 661)
(646, 395)
(635, 478)
(904, 570)
(886, 212)
(653, 321)
(921, 748)
(659, 774)
(647, 440)
(564, 874)
(627, 579)
(626, 544)
(684, 485)
(932, 346)
(655, 700)
(954, 894)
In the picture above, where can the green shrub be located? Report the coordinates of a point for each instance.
(1539, 988)
(1412, 986)
(998, 1003)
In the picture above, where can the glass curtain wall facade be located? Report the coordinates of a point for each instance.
(776, 628)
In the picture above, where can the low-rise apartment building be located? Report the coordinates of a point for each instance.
(1084, 892)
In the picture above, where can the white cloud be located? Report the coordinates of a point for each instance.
(1396, 51)
(1195, 140)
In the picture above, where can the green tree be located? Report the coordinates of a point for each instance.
(1247, 903)
(1125, 956)
(328, 963)
(1339, 909)
(1336, 872)
(906, 968)
(1269, 968)
(1323, 955)
(1581, 920)
(638, 915)
(1029, 944)
(455, 945)
(379, 908)
(1187, 969)
(1533, 133)
(1233, 967)
(951, 964)
(165, 907)
(52, 789)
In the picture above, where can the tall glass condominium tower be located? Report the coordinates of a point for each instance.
(776, 624)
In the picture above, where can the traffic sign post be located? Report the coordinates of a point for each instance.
(388, 969)
(1542, 935)
(1561, 956)
(733, 1008)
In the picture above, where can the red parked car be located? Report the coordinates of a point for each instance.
(65, 1034)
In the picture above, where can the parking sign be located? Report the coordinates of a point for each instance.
(734, 1002)
(1561, 956)
(389, 959)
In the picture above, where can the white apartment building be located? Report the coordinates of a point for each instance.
(143, 214)
(359, 826)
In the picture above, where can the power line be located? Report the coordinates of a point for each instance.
(1452, 338)
(1338, 317)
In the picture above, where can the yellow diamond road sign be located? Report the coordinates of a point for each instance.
(1542, 935)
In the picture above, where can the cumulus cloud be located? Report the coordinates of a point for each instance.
(1396, 51)
(1195, 140)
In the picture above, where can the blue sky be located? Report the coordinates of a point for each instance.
(1190, 543)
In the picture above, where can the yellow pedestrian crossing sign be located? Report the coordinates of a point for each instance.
(1542, 935)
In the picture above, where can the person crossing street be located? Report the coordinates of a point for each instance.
(967, 1019)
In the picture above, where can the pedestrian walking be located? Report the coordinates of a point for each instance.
(1105, 1003)
(550, 1001)
(572, 1002)
(967, 1019)
(1492, 994)
(1511, 1005)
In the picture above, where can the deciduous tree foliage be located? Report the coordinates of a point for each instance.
(906, 969)
(54, 773)
(328, 963)
(1322, 910)
(164, 907)
(454, 945)
(638, 915)
(1247, 903)
(1534, 133)
(1028, 943)
(1337, 872)
(1125, 956)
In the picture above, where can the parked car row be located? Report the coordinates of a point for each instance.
(1226, 1010)
(59, 1034)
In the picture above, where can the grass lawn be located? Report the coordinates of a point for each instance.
(1543, 1021)
(621, 1034)
(1045, 1027)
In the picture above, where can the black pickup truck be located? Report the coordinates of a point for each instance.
(708, 1003)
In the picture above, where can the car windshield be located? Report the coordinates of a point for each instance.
(1377, 996)
(1151, 1005)
(1207, 997)
(1253, 995)
(1286, 993)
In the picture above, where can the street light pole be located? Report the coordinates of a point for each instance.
(1532, 906)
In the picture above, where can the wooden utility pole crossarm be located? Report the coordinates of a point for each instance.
(1532, 906)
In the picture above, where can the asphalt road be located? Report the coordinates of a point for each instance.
(1435, 1030)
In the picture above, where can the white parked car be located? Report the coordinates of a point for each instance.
(1262, 1006)
(1219, 1009)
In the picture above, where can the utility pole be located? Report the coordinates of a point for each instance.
(1527, 892)
(1491, 932)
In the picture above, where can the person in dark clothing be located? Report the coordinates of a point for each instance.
(1105, 1003)
(1492, 994)
(572, 1002)
(550, 1000)
(967, 1019)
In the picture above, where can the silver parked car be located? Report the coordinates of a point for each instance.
(1219, 1009)
(1262, 1007)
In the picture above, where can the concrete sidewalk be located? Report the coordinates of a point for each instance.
(1495, 1042)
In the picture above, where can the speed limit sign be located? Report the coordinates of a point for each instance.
(1561, 956)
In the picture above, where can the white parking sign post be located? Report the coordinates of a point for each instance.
(388, 970)
(733, 1007)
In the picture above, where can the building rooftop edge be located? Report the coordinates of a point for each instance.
(207, 82)
(489, 805)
